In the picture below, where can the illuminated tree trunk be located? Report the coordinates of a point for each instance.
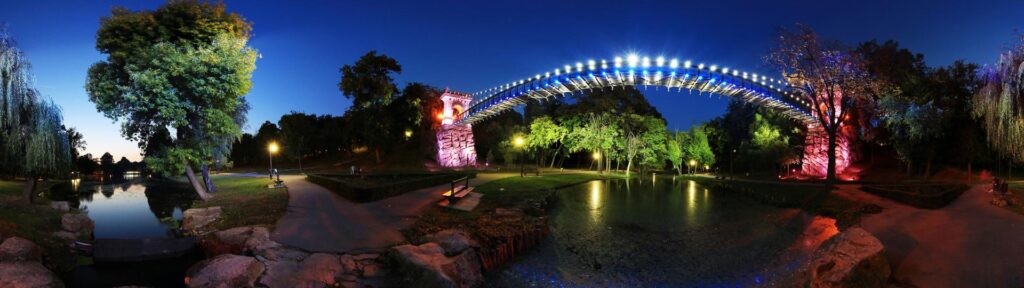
(830, 178)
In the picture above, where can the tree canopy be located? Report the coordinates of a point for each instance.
(185, 66)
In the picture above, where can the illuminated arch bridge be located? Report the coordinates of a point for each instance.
(455, 140)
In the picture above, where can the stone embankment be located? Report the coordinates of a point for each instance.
(247, 257)
(21, 260)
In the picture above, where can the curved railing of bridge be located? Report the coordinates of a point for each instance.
(634, 70)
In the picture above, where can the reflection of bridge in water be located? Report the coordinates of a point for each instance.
(460, 110)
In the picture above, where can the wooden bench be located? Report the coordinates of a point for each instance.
(460, 188)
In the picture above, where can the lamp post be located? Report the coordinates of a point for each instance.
(597, 157)
(271, 149)
(518, 142)
(693, 163)
(408, 133)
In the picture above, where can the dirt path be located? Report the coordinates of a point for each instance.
(320, 220)
(969, 243)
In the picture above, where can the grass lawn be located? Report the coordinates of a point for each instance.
(33, 222)
(246, 201)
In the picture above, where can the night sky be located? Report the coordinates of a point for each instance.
(474, 45)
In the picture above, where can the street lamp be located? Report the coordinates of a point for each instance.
(271, 149)
(597, 157)
(518, 142)
(693, 163)
(408, 133)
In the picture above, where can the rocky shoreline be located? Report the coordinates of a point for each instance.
(22, 261)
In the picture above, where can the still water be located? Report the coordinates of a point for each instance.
(131, 208)
(665, 233)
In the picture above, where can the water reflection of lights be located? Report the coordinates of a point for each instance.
(595, 200)
(75, 183)
(691, 198)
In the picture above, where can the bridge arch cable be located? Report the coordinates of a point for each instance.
(634, 70)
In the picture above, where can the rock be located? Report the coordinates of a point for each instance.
(853, 258)
(238, 240)
(282, 254)
(512, 214)
(76, 223)
(17, 249)
(434, 269)
(62, 206)
(66, 236)
(348, 264)
(453, 241)
(27, 274)
(372, 270)
(224, 271)
(319, 270)
(197, 221)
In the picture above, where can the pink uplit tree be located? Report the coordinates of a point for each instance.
(829, 77)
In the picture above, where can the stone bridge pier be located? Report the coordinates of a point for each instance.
(455, 146)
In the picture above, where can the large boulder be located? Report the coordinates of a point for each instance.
(26, 275)
(17, 249)
(238, 240)
(224, 271)
(429, 266)
(853, 258)
(199, 221)
(62, 206)
(318, 270)
(453, 241)
(76, 223)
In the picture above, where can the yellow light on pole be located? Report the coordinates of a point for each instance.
(518, 142)
(693, 162)
(597, 155)
(408, 133)
(271, 149)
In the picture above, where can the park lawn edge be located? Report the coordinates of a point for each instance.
(246, 201)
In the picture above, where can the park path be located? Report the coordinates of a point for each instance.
(319, 220)
(969, 243)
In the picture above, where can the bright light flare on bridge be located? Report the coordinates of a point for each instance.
(632, 59)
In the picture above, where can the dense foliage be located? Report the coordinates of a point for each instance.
(185, 66)
(33, 141)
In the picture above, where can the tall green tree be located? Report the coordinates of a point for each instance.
(33, 141)
(912, 126)
(545, 133)
(185, 66)
(694, 146)
(369, 84)
(298, 132)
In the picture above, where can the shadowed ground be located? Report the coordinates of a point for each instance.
(321, 221)
(969, 243)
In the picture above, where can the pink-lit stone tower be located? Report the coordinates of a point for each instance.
(816, 152)
(455, 146)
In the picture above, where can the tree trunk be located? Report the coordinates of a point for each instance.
(207, 180)
(300, 164)
(195, 183)
(376, 153)
(555, 156)
(629, 166)
(30, 189)
(830, 178)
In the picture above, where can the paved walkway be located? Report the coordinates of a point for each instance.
(969, 243)
(319, 220)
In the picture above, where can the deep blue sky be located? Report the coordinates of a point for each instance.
(473, 45)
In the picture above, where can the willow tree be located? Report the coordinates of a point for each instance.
(185, 67)
(826, 75)
(1000, 103)
(33, 142)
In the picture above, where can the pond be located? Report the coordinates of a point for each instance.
(665, 233)
(131, 208)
